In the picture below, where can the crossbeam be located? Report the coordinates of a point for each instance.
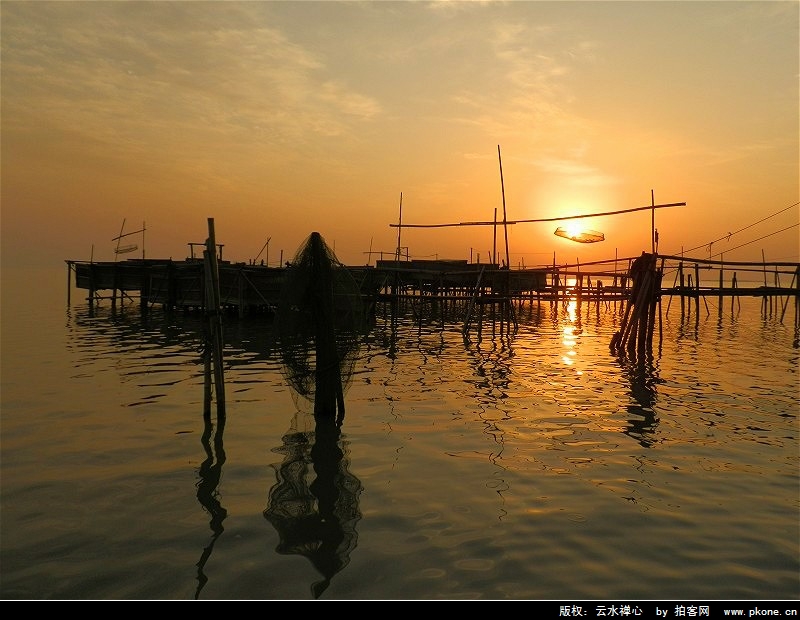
(546, 219)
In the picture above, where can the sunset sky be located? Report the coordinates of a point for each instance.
(282, 118)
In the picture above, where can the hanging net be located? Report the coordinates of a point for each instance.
(583, 236)
(318, 325)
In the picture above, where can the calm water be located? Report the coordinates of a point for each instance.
(529, 466)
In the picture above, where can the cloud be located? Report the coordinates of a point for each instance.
(133, 76)
(578, 173)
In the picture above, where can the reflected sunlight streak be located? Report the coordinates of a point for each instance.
(570, 335)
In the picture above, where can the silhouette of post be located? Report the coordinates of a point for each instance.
(329, 393)
(213, 321)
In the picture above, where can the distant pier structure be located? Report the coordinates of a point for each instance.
(469, 288)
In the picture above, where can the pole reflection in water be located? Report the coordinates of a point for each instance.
(643, 376)
(207, 493)
(315, 519)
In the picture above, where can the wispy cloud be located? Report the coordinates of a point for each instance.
(131, 81)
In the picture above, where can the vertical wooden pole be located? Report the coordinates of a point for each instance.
(764, 298)
(616, 256)
(91, 284)
(721, 269)
(505, 219)
(494, 238)
(652, 222)
(674, 284)
(119, 238)
(797, 299)
(653, 303)
(399, 229)
(240, 282)
(555, 282)
(214, 314)
(783, 310)
(660, 276)
(697, 293)
(115, 278)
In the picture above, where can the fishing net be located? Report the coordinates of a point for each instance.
(584, 236)
(318, 325)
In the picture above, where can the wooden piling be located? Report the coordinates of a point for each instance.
(719, 299)
(214, 339)
(697, 290)
(795, 278)
(635, 336)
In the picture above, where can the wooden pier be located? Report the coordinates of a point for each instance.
(175, 285)
(254, 289)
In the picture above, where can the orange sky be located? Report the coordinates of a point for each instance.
(282, 118)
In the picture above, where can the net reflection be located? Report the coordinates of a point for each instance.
(319, 323)
(314, 503)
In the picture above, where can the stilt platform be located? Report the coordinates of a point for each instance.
(254, 289)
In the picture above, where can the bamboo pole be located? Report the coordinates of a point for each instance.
(719, 299)
(118, 239)
(545, 219)
(213, 312)
(476, 292)
(652, 303)
(783, 310)
(674, 284)
(764, 302)
(91, 282)
(399, 229)
(636, 332)
(660, 318)
(505, 218)
(494, 239)
(240, 283)
(697, 290)
(652, 222)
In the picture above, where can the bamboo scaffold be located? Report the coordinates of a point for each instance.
(635, 336)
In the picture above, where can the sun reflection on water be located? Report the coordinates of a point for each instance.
(570, 332)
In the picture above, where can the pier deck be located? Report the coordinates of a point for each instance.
(247, 288)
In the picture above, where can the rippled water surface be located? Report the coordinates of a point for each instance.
(529, 464)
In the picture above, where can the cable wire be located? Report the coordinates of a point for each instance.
(730, 234)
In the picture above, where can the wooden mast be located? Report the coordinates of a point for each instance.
(505, 219)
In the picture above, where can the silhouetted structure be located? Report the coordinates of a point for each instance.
(318, 326)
